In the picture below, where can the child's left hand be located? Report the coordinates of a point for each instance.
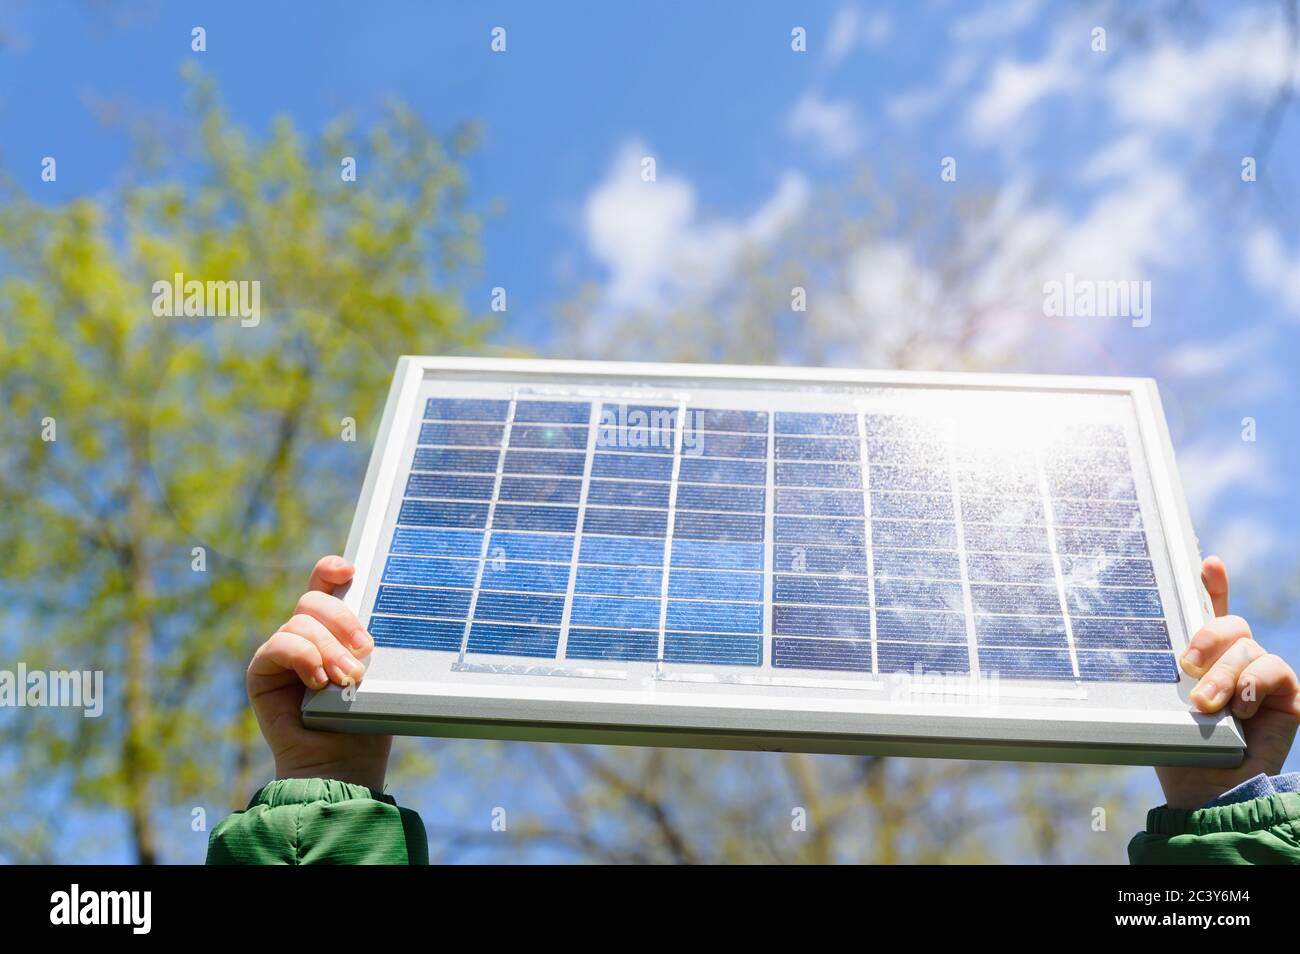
(1261, 687)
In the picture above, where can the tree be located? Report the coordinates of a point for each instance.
(166, 480)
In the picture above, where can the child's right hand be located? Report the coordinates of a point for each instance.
(322, 642)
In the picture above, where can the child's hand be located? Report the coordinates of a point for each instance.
(1261, 687)
(321, 643)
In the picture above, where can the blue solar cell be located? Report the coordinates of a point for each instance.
(639, 415)
(461, 409)
(625, 522)
(910, 533)
(629, 492)
(1010, 567)
(431, 634)
(920, 626)
(800, 422)
(1044, 631)
(930, 657)
(528, 577)
(637, 440)
(819, 503)
(1093, 486)
(618, 612)
(1114, 666)
(558, 412)
(828, 530)
(612, 644)
(507, 640)
(1101, 542)
(715, 556)
(816, 448)
(1107, 571)
(694, 525)
(411, 601)
(806, 588)
(754, 422)
(619, 580)
(846, 655)
(1026, 663)
(729, 445)
(1120, 633)
(442, 513)
(453, 486)
(462, 435)
(625, 551)
(710, 497)
(801, 474)
(912, 506)
(632, 466)
(912, 453)
(903, 427)
(519, 608)
(715, 584)
(918, 479)
(923, 564)
(983, 536)
(530, 546)
(1008, 598)
(541, 489)
(1003, 510)
(802, 558)
(456, 461)
(1103, 601)
(433, 542)
(919, 594)
(718, 649)
(1091, 514)
(430, 571)
(532, 517)
(561, 463)
(548, 437)
(820, 621)
(711, 617)
(711, 470)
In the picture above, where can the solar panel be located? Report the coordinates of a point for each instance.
(789, 559)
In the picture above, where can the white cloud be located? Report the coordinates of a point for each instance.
(1272, 269)
(1243, 542)
(833, 127)
(1211, 358)
(1186, 89)
(995, 20)
(849, 28)
(1016, 86)
(1210, 469)
(654, 244)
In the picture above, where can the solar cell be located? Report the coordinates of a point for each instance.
(534, 528)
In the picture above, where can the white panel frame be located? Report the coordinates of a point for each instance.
(669, 716)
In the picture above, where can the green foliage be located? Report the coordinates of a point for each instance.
(175, 433)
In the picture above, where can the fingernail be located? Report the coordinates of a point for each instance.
(360, 639)
(1208, 693)
(320, 677)
(1194, 658)
(348, 671)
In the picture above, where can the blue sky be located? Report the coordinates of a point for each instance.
(1123, 163)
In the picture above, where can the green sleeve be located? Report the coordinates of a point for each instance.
(1262, 831)
(312, 821)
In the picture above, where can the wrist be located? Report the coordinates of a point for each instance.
(369, 772)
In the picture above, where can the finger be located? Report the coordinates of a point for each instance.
(1211, 641)
(342, 667)
(1219, 685)
(340, 620)
(1266, 678)
(329, 572)
(285, 652)
(1215, 577)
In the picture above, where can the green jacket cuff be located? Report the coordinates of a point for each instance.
(1260, 831)
(299, 821)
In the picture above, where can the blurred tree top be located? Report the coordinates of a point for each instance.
(176, 433)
